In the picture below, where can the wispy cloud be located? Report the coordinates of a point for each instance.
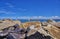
(9, 4)
(6, 12)
(21, 9)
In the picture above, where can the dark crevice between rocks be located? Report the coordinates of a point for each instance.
(2, 37)
(37, 35)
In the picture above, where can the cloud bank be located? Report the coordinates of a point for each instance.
(33, 17)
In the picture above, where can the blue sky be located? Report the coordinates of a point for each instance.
(16, 8)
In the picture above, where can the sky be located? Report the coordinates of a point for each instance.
(16, 8)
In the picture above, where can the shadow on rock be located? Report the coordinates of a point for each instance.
(37, 35)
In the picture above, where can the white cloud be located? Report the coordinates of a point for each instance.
(6, 12)
(33, 17)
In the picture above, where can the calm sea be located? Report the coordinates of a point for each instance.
(41, 20)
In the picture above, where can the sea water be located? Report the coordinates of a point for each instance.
(41, 20)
